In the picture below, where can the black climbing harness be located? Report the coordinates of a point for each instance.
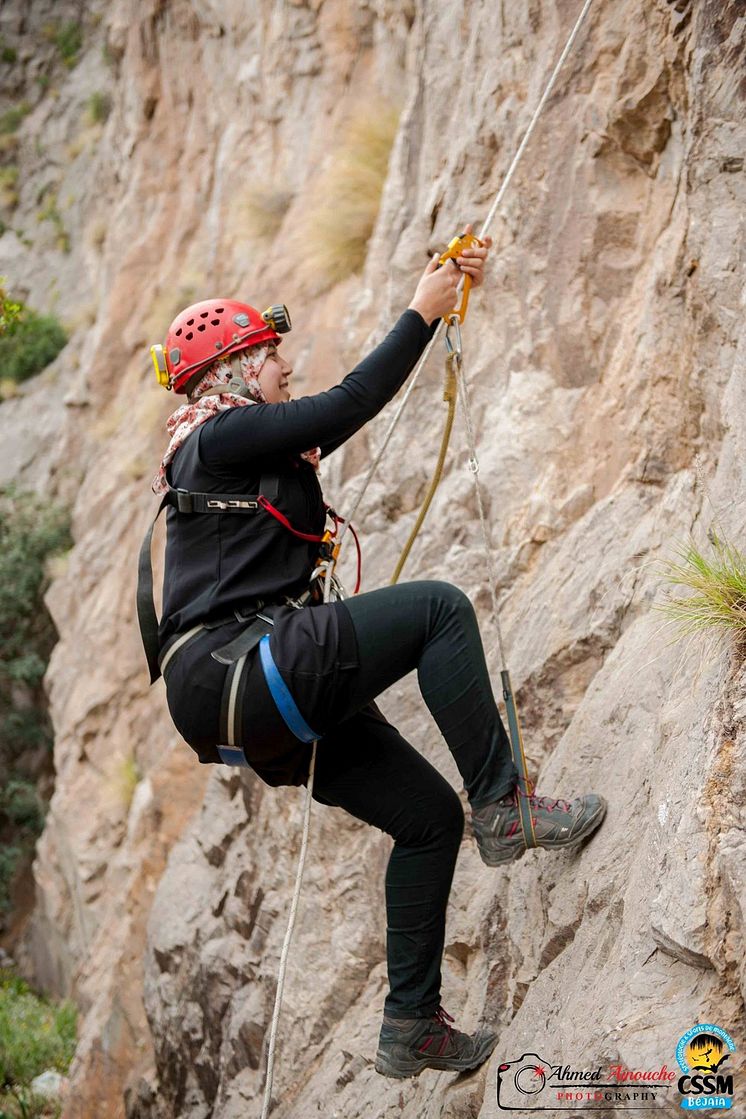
(256, 617)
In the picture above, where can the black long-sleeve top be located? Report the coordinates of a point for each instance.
(220, 562)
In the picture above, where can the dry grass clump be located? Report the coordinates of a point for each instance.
(264, 210)
(716, 582)
(346, 201)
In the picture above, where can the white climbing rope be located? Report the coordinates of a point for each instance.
(286, 943)
(474, 466)
(485, 228)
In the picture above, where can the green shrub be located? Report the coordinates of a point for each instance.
(10, 854)
(31, 531)
(20, 803)
(22, 731)
(10, 120)
(7, 53)
(34, 1034)
(29, 343)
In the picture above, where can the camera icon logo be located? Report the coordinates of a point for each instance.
(521, 1083)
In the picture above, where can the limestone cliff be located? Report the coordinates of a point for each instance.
(605, 358)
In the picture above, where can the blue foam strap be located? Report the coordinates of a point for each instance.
(232, 756)
(280, 694)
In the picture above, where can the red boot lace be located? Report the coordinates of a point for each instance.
(550, 803)
(443, 1018)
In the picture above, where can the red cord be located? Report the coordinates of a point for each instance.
(311, 536)
(269, 508)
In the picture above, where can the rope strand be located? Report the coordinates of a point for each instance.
(286, 943)
(488, 222)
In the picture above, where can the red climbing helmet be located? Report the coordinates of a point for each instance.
(209, 330)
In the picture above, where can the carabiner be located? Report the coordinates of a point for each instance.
(454, 323)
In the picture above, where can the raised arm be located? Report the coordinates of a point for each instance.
(327, 419)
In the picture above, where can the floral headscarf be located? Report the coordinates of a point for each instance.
(205, 402)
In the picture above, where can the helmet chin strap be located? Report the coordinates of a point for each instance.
(236, 385)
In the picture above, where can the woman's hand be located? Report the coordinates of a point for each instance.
(435, 294)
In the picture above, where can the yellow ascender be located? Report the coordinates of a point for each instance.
(455, 248)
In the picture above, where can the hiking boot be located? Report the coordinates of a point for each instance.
(557, 823)
(406, 1046)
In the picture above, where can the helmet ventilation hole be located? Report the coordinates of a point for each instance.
(201, 326)
(190, 322)
(178, 333)
(218, 310)
(214, 322)
(189, 336)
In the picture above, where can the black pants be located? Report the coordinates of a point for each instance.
(366, 767)
(362, 763)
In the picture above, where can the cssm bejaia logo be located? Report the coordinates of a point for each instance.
(703, 1054)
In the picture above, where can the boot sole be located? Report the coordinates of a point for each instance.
(403, 1070)
(586, 831)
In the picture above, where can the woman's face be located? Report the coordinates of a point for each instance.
(273, 377)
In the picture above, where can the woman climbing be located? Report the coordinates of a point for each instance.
(244, 520)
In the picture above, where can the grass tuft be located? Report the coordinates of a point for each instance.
(716, 582)
(68, 38)
(264, 210)
(8, 184)
(50, 212)
(98, 108)
(348, 197)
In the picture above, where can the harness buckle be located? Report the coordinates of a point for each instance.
(215, 503)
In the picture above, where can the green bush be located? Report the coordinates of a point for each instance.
(34, 1034)
(31, 530)
(29, 344)
(20, 803)
(10, 854)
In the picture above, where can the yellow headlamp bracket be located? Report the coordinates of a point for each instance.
(278, 318)
(455, 248)
(161, 369)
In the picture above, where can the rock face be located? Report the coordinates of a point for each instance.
(605, 359)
